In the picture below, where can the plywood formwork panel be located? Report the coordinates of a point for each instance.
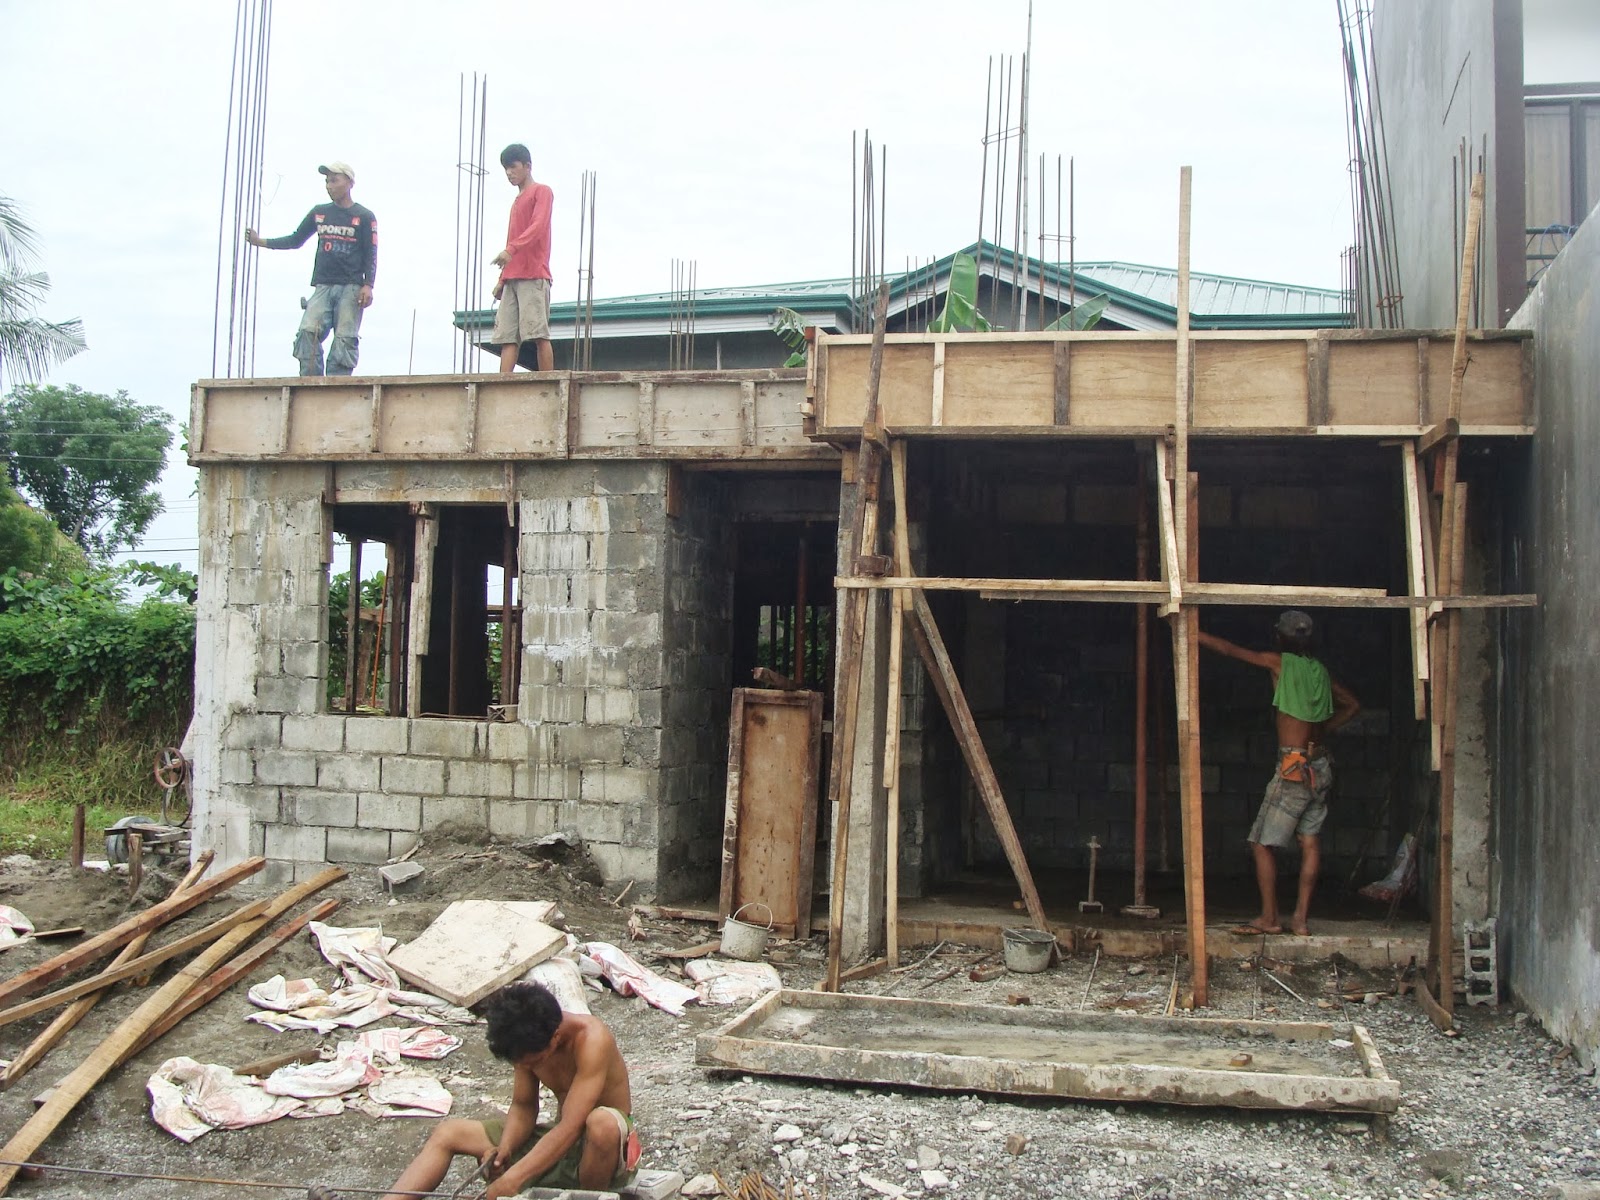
(340, 422)
(243, 420)
(1116, 384)
(514, 418)
(608, 415)
(998, 385)
(698, 414)
(1245, 385)
(905, 396)
(1046, 1052)
(778, 421)
(425, 420)
(1372, 383)
(1491, 391)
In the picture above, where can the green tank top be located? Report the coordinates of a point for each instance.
(1304, 689)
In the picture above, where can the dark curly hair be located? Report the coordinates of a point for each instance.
(522, 1017)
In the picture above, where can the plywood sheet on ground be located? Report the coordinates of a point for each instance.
(1045, 1052)
(476, 946)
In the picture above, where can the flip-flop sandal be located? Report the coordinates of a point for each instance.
(1252, 931)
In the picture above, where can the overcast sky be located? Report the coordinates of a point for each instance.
(720, 133)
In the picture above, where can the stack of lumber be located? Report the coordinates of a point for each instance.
(221, 961)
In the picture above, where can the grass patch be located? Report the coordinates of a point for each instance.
(44, 777)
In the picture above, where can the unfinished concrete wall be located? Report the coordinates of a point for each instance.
(278, 775)
(1449, 72)
(1549, 920)
(697, 628)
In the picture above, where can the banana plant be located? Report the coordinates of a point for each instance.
(1086, 316)
(961, 300)
(789, 326)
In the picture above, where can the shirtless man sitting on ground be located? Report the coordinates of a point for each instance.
(1309, 705)
(592, 1145)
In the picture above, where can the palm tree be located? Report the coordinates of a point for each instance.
(29, 345)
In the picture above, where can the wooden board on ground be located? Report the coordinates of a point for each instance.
(1047, 1052)
(476, 946)
(769, 833)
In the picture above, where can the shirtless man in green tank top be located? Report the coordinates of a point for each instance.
(1309, 704)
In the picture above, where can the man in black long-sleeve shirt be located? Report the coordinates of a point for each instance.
(341, 278)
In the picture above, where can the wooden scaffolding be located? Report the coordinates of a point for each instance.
(1409, 390)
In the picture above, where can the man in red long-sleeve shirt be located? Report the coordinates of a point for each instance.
(523, 288)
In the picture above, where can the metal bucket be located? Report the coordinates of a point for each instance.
(1028, 950)
(742, 940)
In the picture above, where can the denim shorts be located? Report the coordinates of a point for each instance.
(1290, 809)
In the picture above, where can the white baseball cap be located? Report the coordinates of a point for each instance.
(338, 168)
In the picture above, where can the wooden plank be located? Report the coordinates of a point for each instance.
(105, 1057)
(1444, 946)
(135, 966)
(375, 432)
(851, 635)
(38, 977)
(769, 837)
(891, 750)
(1063, 397)
(1186, 660)
(646, 430)
(1442, 431)
(1184, 381)
(69, 1017)
(890, 1040)
(1422, 380)
(285, 415)
(942, 673)
(1166, 525)
(1442, 1020)
(477, 946)
(201, 396)
(234, 970)
(1317, 381)
(747, 413)
(1416, 575)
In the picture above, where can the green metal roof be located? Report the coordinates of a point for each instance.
(1143, 293)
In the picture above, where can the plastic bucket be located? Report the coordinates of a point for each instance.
(1028, 950)
(741, 939)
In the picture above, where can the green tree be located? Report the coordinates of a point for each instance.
(90, 461)
(30, 543)
(29, 345)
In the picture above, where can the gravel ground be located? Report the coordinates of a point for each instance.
(1500, 1110)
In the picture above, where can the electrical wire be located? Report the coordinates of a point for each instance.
(124, 1173)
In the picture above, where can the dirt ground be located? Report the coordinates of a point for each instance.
(1500, 1111)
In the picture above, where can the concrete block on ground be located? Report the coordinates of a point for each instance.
(358, 846)
(401, 877)
(376, 735)
(653, 1185)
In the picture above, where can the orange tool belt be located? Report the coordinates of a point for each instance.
(1295, 766)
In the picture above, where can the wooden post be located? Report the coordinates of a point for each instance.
(942, 673)
(852, 632)
(1141, 692)
(891, 749)
(77, 837)
(1446, 637)
(352, 640)
(1186, 621)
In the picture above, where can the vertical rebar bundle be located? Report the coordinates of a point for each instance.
(680, 315)
(472, 119)
(239, 206)
(1377, 298)
(583, 308)
(869, 211)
